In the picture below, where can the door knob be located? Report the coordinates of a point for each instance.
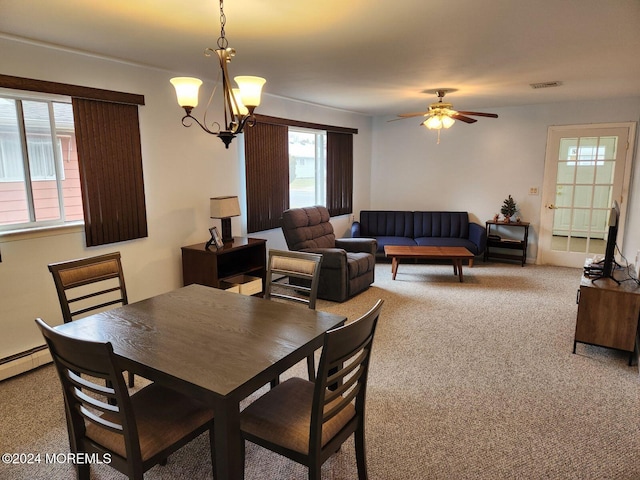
(551, 206)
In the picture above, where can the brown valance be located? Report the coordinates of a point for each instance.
(76, 91)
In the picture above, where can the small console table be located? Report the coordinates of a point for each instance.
(507, 243)
(608, 313)
(211, 266)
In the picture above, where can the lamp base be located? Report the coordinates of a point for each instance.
(227, 237)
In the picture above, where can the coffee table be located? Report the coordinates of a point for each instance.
(455, 254)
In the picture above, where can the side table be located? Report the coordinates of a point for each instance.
(493, 242)
(211, 266)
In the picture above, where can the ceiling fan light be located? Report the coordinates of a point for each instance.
(186, 90)
(433, 123)
(447, 121)
(250, 90)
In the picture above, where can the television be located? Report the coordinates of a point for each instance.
(609, 262)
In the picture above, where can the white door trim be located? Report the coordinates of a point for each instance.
(548, 190)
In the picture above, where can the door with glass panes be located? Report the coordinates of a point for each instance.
(586, 169)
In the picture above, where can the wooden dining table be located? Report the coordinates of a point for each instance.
(214, 345)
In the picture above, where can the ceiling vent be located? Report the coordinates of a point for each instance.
(545, 85)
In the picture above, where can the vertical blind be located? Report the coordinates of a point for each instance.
(339, 173)
(267, 170)
(267, 173)
(111, 179)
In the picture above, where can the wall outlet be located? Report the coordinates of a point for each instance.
(533, 190)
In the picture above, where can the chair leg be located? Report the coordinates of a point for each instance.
(83, 471)
(212, 444)
(275, 382)
(131, 380)
(361, 453)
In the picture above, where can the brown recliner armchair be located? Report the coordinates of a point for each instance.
(347, 264)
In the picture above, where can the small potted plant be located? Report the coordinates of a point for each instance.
(508, 209)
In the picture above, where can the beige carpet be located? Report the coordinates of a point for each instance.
(468, 381)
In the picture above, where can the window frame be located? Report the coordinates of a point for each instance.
(30, 178)
(267, 170)
(100, 126)
(319, 162)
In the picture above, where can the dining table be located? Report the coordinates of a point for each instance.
(215, 345)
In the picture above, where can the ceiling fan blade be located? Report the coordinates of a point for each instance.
(414, 114)
(396, 119)
(480, 114)
(464, 119)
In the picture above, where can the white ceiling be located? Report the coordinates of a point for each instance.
(371, 56)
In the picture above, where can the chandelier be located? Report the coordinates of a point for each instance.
(238, 103)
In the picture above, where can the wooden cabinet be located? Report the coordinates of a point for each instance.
(608, 313)
(209, 267)
(495, 241)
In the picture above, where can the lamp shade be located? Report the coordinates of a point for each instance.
(242, 110)
(433, 122)
(250, 89)
(225, 207)
(186, 90)
(447, 121)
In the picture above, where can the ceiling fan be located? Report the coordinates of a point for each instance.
(442, 115)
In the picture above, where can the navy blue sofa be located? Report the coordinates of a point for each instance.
(451, 229)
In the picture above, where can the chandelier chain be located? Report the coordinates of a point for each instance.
(223, 43)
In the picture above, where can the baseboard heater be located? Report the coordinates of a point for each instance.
(24, 361)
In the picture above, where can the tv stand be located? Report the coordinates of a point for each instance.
(608, 313)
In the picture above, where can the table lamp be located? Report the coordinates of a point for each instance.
(224, 208)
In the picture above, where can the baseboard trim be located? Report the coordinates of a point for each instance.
(24, 361)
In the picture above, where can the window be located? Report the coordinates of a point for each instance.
(39, 181)
(104, 125)
(307, 167)
(277, 150)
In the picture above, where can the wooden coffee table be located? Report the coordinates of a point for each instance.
(455, 254)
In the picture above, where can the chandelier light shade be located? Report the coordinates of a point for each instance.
(187, 91)
(238, 103)
(224, 208)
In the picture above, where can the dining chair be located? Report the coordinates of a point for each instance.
(297, 274)
(136, 431)
(89, 284)
(309, 421)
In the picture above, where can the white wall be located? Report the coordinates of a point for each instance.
(183, 168)
(476, 166)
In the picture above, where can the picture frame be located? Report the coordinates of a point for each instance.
(215, 239)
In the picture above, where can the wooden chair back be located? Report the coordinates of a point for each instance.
(80, 364)
(89, 284)
(106, 420)
(302, 270)
(342, 379)
(309, 421)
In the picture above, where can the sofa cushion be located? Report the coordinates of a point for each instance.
(448, 242)
(441, 224)
(380, 223)
(403, 241)
(308, 227)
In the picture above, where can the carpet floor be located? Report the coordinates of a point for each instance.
(472, 380)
